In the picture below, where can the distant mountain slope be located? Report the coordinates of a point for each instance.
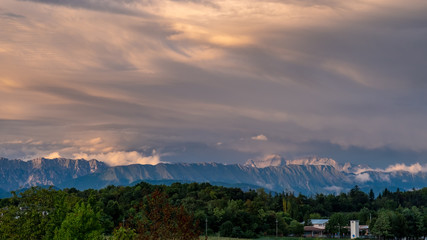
(296, 178)
(15, 174)
(275, 160)
(307, 176)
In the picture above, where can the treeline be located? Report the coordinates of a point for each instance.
(182, 211)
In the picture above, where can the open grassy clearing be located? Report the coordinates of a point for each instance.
(262, 238)
(222, 238)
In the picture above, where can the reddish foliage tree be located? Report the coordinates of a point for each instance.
(161, 220)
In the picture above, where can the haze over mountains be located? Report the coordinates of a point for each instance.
(308, 175)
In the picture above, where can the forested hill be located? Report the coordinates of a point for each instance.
(302, 176)
(182, 210)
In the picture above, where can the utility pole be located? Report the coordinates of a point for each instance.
(277, 229)
(206, 228)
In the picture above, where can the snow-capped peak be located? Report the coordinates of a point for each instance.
(315, 161)
(275, 160)
(272, 160)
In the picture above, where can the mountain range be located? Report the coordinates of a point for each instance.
(307, 176)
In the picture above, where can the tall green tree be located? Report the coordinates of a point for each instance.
(36, 213)
(414, 221)
(123, 233)
(296, 228)
(336, 223)
(399, 226)
(364, 216)
(81, 224)
(9, 223)
(382, 227)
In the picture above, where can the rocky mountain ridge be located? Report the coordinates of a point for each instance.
(15, 174)
(275, 160)
(307, 176)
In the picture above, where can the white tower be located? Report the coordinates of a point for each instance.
(354, 226)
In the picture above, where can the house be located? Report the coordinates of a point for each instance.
(311, 231)
(317, 228)
(319, 223)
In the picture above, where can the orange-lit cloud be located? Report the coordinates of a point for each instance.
(121, 158)
(115, 76)
(260, 137)
(53, 155)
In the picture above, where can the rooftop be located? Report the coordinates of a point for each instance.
(319, 221)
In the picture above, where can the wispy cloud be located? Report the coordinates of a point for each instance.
(341, 74)
(126, 7)
(412, 168)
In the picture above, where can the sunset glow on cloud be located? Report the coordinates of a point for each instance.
(118, 80)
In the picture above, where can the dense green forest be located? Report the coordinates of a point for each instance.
(182, 211)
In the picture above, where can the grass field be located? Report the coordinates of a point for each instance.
(262, 238)
(222, 238)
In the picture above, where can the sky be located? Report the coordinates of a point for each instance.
(142, 81)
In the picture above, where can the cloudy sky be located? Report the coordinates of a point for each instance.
(142, 81)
